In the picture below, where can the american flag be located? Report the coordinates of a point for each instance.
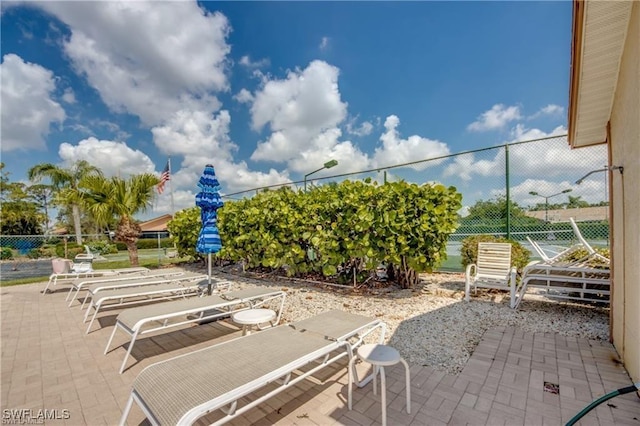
(164, 177)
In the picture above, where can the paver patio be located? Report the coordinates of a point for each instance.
(48, 362)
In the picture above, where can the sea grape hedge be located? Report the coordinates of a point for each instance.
(336, 229)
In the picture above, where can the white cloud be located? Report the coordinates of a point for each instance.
(203, 139)
(495, 118)
(130, 53)
(68, 96)
(247, 62)
(112, 157)
(324, 43)
(244, 96)
(27, 105)
(364, 129)
(550, 158)
(396, 150)
(297, 109)
(550, 109)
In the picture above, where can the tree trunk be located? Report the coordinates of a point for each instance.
(128, 232)
(76, 223)
(132, 248)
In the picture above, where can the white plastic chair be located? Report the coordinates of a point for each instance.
(492, 270)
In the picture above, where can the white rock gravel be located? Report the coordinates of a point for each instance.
(433, 325)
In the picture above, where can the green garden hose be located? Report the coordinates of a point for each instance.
(602, 399)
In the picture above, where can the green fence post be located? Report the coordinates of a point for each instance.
(506, 166)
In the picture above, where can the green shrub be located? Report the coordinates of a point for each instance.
(594, 262)
(6, 253)
(469, 250)
(73, 250)
(102, 247)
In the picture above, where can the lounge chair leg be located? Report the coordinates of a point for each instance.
(51, 278)
(126, 356)
(127, 408)
(350, 372)
(69, 294)
(110, 339)
(86, 314)
(95, 314)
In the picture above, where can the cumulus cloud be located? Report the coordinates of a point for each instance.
(495, 118)
(200, 139)
(28, 108)
(551, 109)
(243, 96)
(549, 158)
(297, 110)
(129, 53)
(112, 157)
(68, 96)
(364, 129)
(395, 150)
(247, 62)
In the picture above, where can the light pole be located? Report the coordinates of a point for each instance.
(327, 165)
(546, 201)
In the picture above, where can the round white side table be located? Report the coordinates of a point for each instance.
(250, 317)
(380, 356)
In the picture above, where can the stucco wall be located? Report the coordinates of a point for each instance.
(625, 151)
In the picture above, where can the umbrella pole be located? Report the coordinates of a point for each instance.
(209, 285)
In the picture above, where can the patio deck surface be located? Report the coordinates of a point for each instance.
(48, 362)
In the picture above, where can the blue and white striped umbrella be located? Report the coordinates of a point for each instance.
(209, 201)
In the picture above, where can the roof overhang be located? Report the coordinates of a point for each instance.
(599, 34)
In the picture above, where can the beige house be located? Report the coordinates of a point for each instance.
(157, 224)
(604, 108)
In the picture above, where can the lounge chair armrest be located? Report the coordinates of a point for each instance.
(471, 269)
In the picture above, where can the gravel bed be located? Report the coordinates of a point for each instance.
(433, 326)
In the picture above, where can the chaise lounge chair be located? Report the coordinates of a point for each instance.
(493, 269)
(136, 321)
(563, 256)
(64, 271)
(183, 389)
(174, 287)
(88, 256)
(117, 280)
(585, 279)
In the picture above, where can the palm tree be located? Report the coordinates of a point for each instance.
(65, 182)
(105, 198)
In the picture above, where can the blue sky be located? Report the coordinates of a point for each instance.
(268, 91)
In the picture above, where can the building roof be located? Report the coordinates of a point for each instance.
(599, 33)
(158, 224)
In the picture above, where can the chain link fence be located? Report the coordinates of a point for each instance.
(516, 190)
(25, 256)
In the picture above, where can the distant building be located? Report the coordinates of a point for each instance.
(583, 214)
(151, 227)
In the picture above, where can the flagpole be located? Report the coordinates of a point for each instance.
(171, 187)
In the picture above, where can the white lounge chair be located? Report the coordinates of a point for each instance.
(161, 316)
(493, 269)
(177, 287)
(564, 279)
(215, 379)
(111, 280)
(88, 256)
(64, 271)
(144, 281)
